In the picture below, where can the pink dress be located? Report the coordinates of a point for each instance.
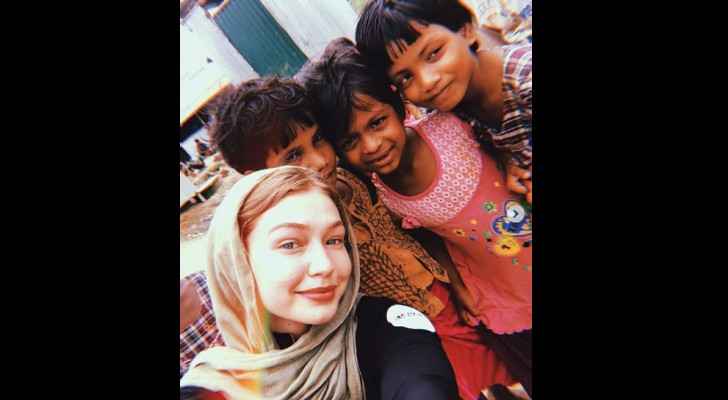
(486, 228)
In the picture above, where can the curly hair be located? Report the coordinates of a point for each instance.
(256, 116)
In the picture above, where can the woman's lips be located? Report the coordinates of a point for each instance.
(324, 293)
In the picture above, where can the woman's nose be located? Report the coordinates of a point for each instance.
(319, 262)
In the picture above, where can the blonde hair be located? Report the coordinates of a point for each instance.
(279, 184)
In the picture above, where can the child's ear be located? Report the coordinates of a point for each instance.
(468, 32)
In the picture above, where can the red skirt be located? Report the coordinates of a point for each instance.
(475, 364)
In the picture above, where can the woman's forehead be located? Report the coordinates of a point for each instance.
(309, 208)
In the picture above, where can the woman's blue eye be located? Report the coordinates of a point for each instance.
(289, 245)
(335, 241)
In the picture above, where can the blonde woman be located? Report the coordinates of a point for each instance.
(283, 274)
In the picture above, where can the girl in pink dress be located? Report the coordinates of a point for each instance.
(433, 174)
(486, 229)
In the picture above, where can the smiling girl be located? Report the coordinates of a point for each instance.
(432, 174)
(437, 58)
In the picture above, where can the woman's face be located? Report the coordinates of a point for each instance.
(299, 260)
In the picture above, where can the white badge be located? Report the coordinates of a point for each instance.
(408, 317)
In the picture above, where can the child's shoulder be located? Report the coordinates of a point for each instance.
(517, 60)
(438, 122)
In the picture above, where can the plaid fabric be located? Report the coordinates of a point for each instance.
(514, 134)
(203, 333)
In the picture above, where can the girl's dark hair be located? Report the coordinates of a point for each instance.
(334, 80)
(255, 116)
(385, 21)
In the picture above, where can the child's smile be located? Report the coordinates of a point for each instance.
(376, 138)
(434, 71)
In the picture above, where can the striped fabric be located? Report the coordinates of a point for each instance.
(514, 134)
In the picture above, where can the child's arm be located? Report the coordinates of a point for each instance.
(518, 149)
(436, 247)
(518, 180)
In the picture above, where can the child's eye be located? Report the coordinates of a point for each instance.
(404, 81)
(293, 156)
(317, 138)
(433, 55)
(348, 142)
(377, 122)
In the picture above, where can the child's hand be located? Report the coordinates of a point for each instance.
(464, 303)
(518, 180)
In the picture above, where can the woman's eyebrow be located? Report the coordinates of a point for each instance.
(336, 224)
(291, 225)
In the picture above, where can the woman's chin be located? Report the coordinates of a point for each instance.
(321, 317)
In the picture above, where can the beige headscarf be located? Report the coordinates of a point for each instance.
(321, 364)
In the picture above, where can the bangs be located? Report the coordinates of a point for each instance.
(396, 34)
(375, 33)
(384, 23)
(360, 103)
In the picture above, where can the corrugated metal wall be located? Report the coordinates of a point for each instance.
(259, 38)
(312, 24)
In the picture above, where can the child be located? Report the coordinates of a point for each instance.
(434, 175)
(433, 52)
(267, 122)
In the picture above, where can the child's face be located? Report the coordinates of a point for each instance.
(309, 150)
(376, 138)
(436, 70)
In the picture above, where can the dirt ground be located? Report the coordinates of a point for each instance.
(194, 221)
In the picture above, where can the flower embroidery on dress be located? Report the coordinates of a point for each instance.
(490, 207)
(506, 246)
